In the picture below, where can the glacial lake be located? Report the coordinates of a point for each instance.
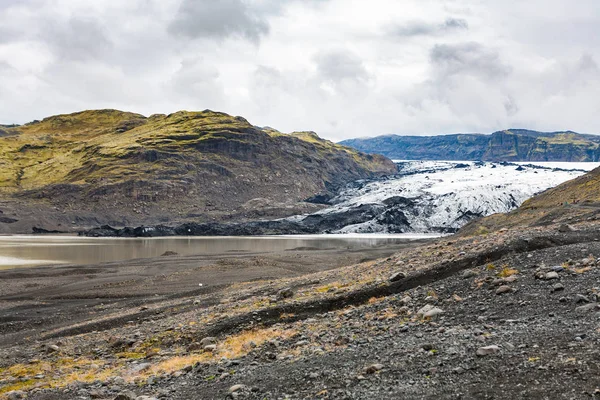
(22, 251)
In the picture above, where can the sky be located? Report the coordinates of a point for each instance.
(342, 68)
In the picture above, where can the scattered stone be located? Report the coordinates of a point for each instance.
(140, 367)
(504, 289)
(126, 395)
(15, 395)
(558, 287)
(429, 311)
(285, 294)
(579, 298)
(487, 350)
(237, 388)
(207, 341)
(52, 348)
(398, 276)
(371, 369)
(427, 347)
(588, 261)
(564, 228)
(210, 348)
(469, 273)
(551, 275)
(586, 308)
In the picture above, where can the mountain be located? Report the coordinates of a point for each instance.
(109, 166)
(423, 197)
(509, 145)
(574, 201)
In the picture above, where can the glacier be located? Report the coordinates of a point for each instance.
(437, 196)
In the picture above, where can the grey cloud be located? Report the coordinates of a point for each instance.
(199, 81)
(588, 63)
(340, 65)
(79, 38)
(468, 58)
(218, 19)
(422, 28)
(267, 77)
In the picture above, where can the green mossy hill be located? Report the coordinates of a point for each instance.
(508, 145)
(182, 163)
(574, 201)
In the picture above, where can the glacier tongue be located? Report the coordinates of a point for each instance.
(438, 196)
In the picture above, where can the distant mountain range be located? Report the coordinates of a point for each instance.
(508, 145)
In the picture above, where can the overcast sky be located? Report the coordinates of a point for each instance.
(343, 68)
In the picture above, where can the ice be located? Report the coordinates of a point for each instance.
(446, 195)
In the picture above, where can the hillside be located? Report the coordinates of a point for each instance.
(509, 145)
(575, 201)
(109, 166)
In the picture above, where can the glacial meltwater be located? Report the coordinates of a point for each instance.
(21, 251)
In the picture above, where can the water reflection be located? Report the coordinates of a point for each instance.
(24, 251)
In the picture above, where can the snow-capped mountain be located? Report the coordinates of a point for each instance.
(438, 196)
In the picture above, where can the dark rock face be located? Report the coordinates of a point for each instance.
(509, 145)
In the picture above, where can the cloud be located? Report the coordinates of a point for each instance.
(341, 65)
(218, 19)
(468, 58)
(342, 68)
(424, 28)
(78, 38)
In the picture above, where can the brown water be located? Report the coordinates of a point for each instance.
(28, 251)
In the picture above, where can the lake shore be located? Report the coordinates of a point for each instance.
(37, 300)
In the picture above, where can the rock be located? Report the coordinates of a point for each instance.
(140, 367)
(371, 369)
(428, 347)
(469, 273)
(564, 228)
(169, 253)
(588, 261)
(237, 388)
(52, 348)
(558, 268)
(210, 348)
(487, 350)
(558, 287)
(551, 275)
(429, 311)
(397, 276)
(126, 395)
(586, 308)
(579, 298)
(15, 395)
(504, 289)
(146, 398)
(208, 341)
(285, 294)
